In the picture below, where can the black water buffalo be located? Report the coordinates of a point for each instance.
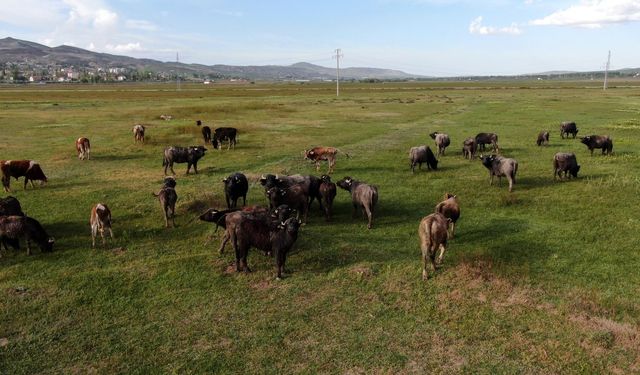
(543, 138)
(483, 139)
(310, 184)
(13, 228)
(568, 127)
(598, 141)
(501, 167)
(235, 186)
(189, 155)
(565, 162)
(224, 134)
(206, 134)
(422, 154)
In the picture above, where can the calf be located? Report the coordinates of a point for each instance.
(166, 117)
(565, 162)
(450, 209)
(483, 139)
(568, 127)
(84, 148)
(138, 133)
(206, 134)
(17, 227)
(168, 197)
(10, 206)
(189, 155)
(469, 148)
(422, 154)
(222, 134)
(235, 186)
(543, 138)
(433, 237)
(328, 193)
(100, 221)
(362, 195)
(598, 141)
(18, 168)
(293, 196)
(254, 232)
(442, 141)
(318, 154)
(501, 167)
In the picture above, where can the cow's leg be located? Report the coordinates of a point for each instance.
(171, 167)
(244, 200)
(369, 212)
(490, 178)
(110, 232)
(104, 242)
(591, 151)
(188, 167)
(224, 241)
(26, 180)
(510, 184)
(195, 167)
(166, 217)
(28, 246)
(441, 256)
(355, 210)
(94, 233)
(238, 257)
(281, 257)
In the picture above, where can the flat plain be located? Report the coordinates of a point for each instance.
(542, 280)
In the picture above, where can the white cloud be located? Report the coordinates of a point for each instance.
(91, 46)
(141, 25)
(122, 48)
(593, 14)
(476, 27)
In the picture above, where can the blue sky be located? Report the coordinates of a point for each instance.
(430, 37)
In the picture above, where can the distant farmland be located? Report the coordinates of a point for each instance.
(542, 280)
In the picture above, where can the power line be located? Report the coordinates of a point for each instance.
(606, 71)
(337, 56)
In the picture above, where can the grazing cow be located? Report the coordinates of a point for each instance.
(318, 154)
(483, 139)
(310, 185)
(222, 134)
(138, 133)
(450, 208)
(100, 221)
(501, 167)
(229, 219)
(469, 148)
(252, 231)
(84, 148)
(442, 141)
(166, 117)
(16, 227)
(543, 138)
(206, 134)
(598, 141)
(565, 162)
(328, 193)
(189, 155)
(568, 127)
(17, 168)
(168, 197)
(422, 154)
(293, 196)
(362, 195)
(235, 186)
(433, 237)
(198, 122)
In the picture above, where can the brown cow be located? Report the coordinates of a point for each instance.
(450, 208)
(433, 236)
(318, 154)
(100, 221)
(84, 148)
(17, 168)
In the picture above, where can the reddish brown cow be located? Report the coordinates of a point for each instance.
(84, 148)
(320, 153)
(138, 133)
(18, 168)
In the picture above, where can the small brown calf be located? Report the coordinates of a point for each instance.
(433, 236)
(100, 221)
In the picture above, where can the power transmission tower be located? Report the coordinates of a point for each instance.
(606, 71)
(177, 72)
(337, 56)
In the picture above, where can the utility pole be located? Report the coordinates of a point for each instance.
(177, 73)
(337, 56)
(606, 71)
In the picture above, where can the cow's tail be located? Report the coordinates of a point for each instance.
(342, 152)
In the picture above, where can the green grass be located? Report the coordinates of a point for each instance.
(543, 280)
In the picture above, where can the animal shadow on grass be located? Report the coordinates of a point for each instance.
(111, 157)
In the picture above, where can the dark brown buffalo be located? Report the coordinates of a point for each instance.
(598, 141)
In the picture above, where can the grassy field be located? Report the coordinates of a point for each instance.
(542, 280)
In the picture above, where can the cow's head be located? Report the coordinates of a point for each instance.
(574, 171)
(170, 181)
(586, 140)
(433, 135)
(487, 161)
(449, 196)
(346, 183)
(309, 154)
(48, 246)
(325, 178)
(282, 212)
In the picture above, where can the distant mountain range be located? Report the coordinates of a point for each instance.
(23, 52)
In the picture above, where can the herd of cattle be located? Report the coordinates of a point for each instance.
(274, 229)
